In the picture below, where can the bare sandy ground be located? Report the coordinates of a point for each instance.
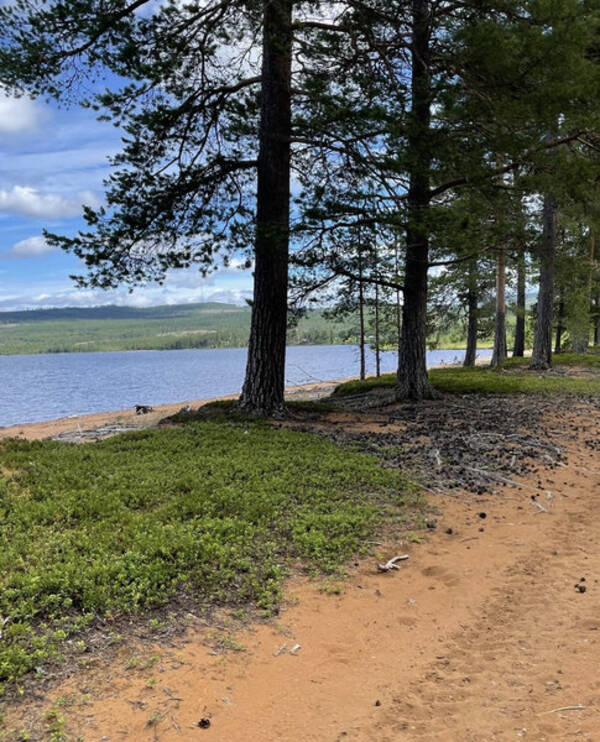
(482, 635)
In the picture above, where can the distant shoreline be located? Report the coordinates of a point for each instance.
(458, 348)
(128, 417)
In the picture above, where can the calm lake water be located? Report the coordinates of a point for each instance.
(48, 386)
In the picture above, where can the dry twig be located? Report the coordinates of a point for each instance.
(391, 563)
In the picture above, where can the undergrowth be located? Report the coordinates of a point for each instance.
(211, 511)
(484, 380)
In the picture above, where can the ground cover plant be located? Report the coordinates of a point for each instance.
(215, 511)
(513, 378)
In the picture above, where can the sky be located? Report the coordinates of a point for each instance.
(53, 160)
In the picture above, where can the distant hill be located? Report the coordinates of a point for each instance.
(118, 328)
(120, 312)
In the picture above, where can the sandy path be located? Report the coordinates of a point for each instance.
(480, 636)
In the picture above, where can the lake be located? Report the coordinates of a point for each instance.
(47, 386)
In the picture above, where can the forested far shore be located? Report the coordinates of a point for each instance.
(205, 325)
(169, 327)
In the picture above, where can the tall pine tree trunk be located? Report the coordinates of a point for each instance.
(398, 299)
(597, 321)
(377, 334)
(541, 357)
(519, 346)
(581, 343)
(262, 393)
(413, 382)
(559, 324)
(499, 353)
(361, 315)
(473, 316)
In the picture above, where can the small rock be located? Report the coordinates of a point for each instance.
(204, 723)
(378, 702)
(449, 531)
(483, 515)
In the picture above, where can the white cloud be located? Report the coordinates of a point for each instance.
(32, 247)
(19, 115)
(120, 297)
(28, 201)
(180, 287)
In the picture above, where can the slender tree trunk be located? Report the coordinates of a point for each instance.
(580, 301)
(398, 301)
(559, 325)
(541, 357)
(413, 382)
(473, 316)
(585, 338)
(499, 354)
(597, 321)
(262, 393)
(361, 315)
(519, 346)
(377, 334)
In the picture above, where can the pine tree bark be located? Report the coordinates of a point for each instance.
(581, 342)
(499, 353)
(597, 321)
(361, 316)
(473, 316)
(541, 357)
(398, 299)
(559, 324)
(377, 334)
(263, 389)
(412, 380)
(519, 345)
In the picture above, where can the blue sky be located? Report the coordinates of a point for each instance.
(54, 160)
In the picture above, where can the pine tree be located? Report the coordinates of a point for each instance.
(431, 93)
(207, 131)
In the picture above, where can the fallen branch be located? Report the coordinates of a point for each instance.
(391, 563)
(493, 476)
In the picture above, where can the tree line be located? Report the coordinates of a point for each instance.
(407, 146)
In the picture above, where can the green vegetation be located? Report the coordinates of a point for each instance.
(141, 519)
(208, 325)
(513, 378)
(586, 360)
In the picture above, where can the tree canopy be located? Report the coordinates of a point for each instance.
(412, 121)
